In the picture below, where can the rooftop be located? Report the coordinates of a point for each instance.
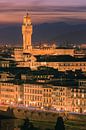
(59, 58)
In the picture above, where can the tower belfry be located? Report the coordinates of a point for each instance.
(27, 33)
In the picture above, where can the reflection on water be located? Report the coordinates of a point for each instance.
(11, 124)
(17, 124)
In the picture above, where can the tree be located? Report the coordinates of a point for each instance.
(31, 127)
(26, 125)
(60, 124)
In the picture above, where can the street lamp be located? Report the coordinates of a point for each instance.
(19, 101)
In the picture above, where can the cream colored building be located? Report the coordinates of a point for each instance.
(5, 76)
(27, 49)
(37, 95)
(25, 56)
(10, 93)
(62, 98)
(47, 96)
(61, 66)
(78, 100)
(33, 95)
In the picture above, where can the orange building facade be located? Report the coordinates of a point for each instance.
(44, 96)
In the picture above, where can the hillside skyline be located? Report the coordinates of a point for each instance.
(59, 32)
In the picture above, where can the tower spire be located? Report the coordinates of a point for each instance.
(28, 13)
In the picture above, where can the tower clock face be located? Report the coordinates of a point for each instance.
(28, 24)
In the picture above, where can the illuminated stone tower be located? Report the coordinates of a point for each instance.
(27, 33)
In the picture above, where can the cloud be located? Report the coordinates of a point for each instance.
(4, 5)
(40, 13)
(37, 2)
(36, 5)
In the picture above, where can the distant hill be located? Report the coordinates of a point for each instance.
(45, 32)
(10, 34)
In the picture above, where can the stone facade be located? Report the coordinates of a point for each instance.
(44, 96)
(10, 93)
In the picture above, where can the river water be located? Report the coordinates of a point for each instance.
(11, 124)
(18, 124)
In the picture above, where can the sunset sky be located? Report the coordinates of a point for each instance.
(12, 11)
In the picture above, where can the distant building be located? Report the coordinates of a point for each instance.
(10, 93)
(6, 76)
(7, 62)
(27, 55)
(22, 53)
